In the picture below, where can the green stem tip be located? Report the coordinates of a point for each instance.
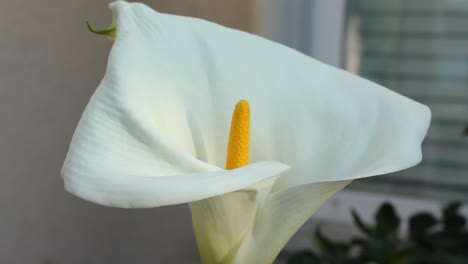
(109, 31)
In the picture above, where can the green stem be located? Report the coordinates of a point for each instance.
(109, 31)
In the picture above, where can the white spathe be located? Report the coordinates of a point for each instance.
(155, 131)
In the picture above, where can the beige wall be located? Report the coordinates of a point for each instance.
(232, 13)
(49, 67)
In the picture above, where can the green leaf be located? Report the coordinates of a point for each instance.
(465, 131)
(332, 252)
(352, 261)
(381, 250)
(304, 257)
(450, 242)
(360, 224)
(452, 208)
(420, 223)
(324, 243)
(453, 221)
(387, 220)
(444, 258)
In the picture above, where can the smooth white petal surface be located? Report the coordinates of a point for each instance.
(179, 78)
(222, 223)
(279, 217)
(252, 225)
(140, 191)
(131, 147)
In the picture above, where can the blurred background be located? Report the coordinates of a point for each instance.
(50, 65)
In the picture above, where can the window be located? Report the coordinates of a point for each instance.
(418, 48)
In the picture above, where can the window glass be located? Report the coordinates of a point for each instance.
(418, 48)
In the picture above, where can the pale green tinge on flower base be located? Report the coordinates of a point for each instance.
(155, 132)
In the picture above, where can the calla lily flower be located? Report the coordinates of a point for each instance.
(156, 131)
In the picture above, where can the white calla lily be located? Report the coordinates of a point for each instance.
(155, 132)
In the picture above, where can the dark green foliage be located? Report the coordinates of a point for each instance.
(387, 221)
(429, 241)
(359, 223)
(332, 252)
(419, 224)
(452, 220)
(304, 257)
